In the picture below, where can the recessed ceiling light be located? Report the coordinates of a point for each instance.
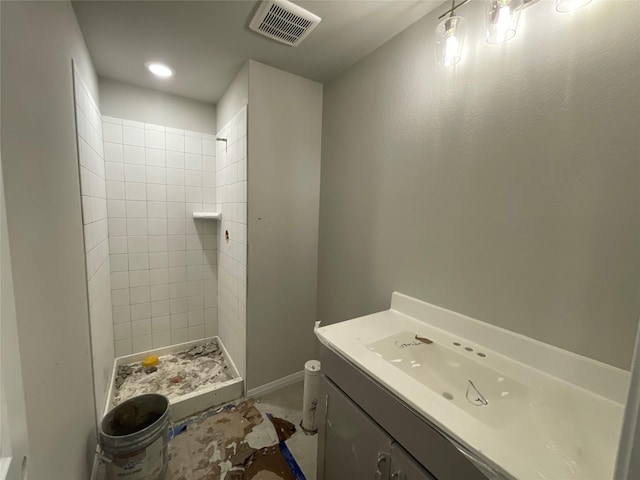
(160, 69)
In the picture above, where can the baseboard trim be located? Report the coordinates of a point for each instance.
(276, 384)
(94, 469)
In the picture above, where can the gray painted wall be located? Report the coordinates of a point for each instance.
(628, 460)
(284, 141)
(505, 188)
(122, 100)
(42, 189)
(13, 431)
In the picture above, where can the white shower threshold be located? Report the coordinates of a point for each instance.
(205, 397)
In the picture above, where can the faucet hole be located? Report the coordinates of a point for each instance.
(468, 349)
(447, 395)
(457, 344)
(482, 354)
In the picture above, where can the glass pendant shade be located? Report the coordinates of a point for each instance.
(502, 20)
(565, 6)
(450, 40)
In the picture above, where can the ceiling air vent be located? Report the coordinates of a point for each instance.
(284, 21)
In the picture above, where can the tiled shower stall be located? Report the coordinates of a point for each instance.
(155, 275)
(163, 262)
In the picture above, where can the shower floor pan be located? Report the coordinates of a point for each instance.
(182, 404)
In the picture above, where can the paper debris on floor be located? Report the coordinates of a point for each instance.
(232, 443)
(284, 428)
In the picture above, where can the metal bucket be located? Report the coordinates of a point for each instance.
(134, 438)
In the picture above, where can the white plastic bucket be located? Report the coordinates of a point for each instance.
(134, 438)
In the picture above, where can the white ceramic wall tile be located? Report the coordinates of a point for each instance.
(141, 344)
(133, 154)
(193, 145)
(162, 339)
(112, 133)
(154, 139)
(140, 311)
(116, 209)
(135, 191)
(157, 209)
(156, 177)
(158, 243)
(122, 314)
(181, 335)
(175, 176)
(136, 209)
(227, 313)
(114, 171)
(156, 193)
(155, 157)
(151, 126)
(175, 159)
(141, 327)
(193, 161)
(134, 173)
(97, 141)
(137, 226)
(197, 332)
(175, 193)
(123, 347)
(133, 136)
(175, 142)
(160, 292)
(138, 261)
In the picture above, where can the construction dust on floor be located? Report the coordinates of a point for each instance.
(235, 442)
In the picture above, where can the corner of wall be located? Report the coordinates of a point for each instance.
(235, 97)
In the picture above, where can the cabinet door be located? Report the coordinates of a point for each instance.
(351, 446)
(404, 467)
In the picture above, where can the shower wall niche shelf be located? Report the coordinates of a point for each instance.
(207, 215)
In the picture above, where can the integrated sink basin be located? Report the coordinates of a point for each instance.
(518, 408)
(459, 375)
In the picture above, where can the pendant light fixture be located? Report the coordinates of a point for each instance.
(450, 35)
(502, 20)
(567, 6)
(502, 17)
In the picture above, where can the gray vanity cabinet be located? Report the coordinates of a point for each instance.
(353, 447)
(365, 432)
(404, 467)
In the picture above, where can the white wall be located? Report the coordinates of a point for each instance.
(163, 262)
(284, 140)
(231, 195)
(42, 189)
(122, 100)
(505, 188)
(235, 97)
(96, 237)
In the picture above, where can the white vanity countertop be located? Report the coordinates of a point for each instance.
(562, 420)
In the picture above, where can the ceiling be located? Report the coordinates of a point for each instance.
(208, 41)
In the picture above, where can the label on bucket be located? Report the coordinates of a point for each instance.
(139, 465)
